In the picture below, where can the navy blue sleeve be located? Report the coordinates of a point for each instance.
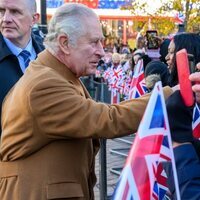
(188, 171)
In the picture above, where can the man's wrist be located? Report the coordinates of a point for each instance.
(177, 144)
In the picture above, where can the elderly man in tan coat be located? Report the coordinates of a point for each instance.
(51, 126)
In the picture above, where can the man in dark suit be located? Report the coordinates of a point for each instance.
(16, 21)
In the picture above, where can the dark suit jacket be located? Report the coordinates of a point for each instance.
(51, 130)
(10, 71)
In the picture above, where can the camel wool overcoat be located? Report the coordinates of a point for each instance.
(51, 131)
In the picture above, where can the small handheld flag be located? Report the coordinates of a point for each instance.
(143, 177)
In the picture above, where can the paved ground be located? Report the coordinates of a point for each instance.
(113, 161)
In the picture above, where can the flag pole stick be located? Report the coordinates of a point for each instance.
(171, 149)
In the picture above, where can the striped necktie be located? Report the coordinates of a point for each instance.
(26, 56)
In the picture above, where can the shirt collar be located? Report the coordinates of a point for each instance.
(17, 50)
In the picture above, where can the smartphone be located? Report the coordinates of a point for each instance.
(152, 42)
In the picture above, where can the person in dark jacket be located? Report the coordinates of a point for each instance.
(185, 152)
(156, 71)
(16, 36)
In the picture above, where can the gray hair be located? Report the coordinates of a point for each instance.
(70, 20)
(32, 6)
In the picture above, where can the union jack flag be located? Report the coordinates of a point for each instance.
(106, 73)
(143, 177)
(115, 97)
(138, 86)
(196, 122)
(180, 17)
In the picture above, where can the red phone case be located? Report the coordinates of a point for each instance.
(183, 77)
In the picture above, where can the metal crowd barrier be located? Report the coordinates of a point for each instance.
(99, 92)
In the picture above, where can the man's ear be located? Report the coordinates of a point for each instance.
(63, 43)
(36, 17)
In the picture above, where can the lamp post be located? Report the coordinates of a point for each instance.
(43, 8)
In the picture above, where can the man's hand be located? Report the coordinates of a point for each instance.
(195, 78)
(177, 144)
(175, 88)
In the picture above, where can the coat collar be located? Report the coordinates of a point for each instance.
(47, 59)
(5, 51)
(37, 43)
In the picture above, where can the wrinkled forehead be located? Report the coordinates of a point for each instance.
(25, 5)
(11, 3)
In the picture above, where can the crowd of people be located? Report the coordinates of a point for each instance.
(161, 68)
(50, 126)
(180, 117)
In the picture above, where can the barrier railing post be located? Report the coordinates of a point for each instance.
(102, 160)
(93, 87)
(103, 170)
